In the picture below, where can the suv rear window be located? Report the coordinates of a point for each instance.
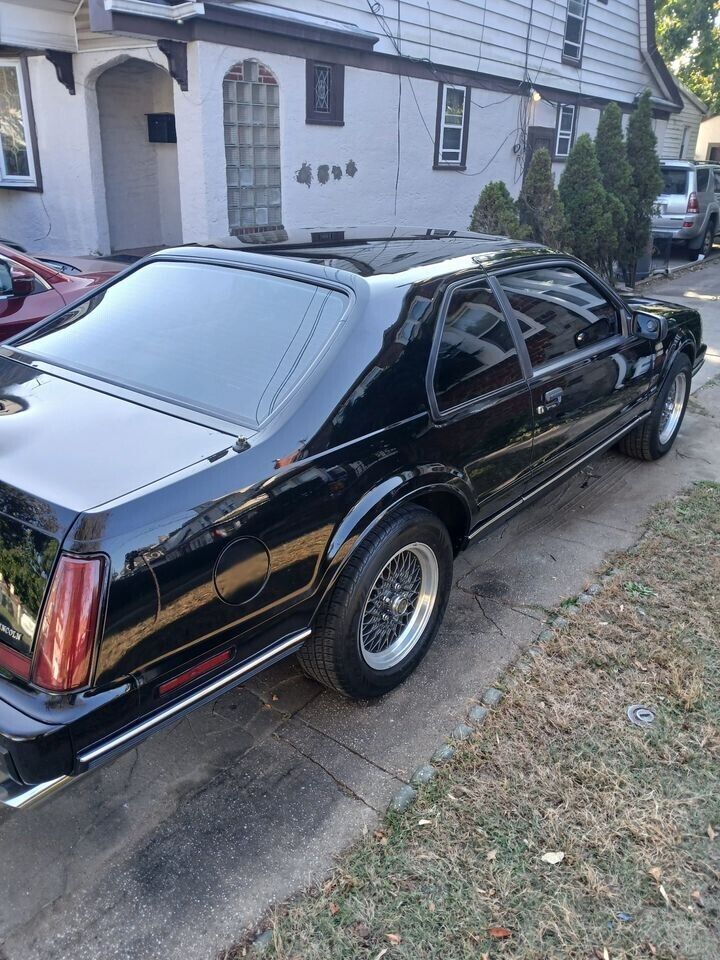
(674, 180)
(232, 342)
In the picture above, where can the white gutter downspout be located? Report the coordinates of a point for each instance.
(144, 8)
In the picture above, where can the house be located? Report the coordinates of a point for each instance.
(130, 124)
(708, 142)
(681, 130)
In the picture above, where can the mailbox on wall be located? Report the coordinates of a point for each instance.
(161, 128)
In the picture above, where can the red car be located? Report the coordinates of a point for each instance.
(31, 290)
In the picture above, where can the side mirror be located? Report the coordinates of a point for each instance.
(6, 279)
(23, 286)
(650, 326)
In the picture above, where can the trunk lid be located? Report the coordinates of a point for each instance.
(64, 449)
(671, 203)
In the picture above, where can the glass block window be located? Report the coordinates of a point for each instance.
(251, 107)
(17, 166)
(565, 129)
(452, 126)
(574, 29)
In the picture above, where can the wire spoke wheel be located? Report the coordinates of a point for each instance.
(672, 408)
(399, 606)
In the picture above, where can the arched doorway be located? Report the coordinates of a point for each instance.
(251, 108)
(142, 187)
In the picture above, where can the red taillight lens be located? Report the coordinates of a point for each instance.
(66, 634)
(693, 205)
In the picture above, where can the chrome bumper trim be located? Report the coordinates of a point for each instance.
(285, 647)
(20, 797)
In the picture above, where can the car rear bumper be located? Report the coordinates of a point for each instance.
(37, 759)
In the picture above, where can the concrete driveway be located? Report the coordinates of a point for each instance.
(172, 850)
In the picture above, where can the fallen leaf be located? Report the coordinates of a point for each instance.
(491, 855)
(334, 908)
(697, 897)
(606, 955)
(382, 953)
(655, 873)
(710, 832)
(653, 949)
(424, 823)
(394, 938)
(275, 697)
(431, 907)
(499, 933)
(553, 856)
(663, 894)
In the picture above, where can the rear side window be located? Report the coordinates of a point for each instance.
(703, 179)
(559, 311)
(674, 180)
(477, 353)
(229, 341)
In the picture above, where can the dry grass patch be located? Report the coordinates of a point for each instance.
(561, 830)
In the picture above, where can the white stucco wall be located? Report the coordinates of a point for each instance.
(708, 136)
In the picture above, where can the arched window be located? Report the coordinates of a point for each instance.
(252, 148)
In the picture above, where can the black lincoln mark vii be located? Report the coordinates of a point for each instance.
(227, 456)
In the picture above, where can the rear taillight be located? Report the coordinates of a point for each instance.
(693, 205)
(68, 627)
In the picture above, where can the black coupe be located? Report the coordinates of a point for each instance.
(226, 456)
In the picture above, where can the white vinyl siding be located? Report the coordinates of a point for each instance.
(17, 165)
(491, 37)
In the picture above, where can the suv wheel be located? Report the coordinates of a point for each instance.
(707, 243)
(655, 435)
(385, 609)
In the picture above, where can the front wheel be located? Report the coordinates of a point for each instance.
(385, 609)
(655, 436)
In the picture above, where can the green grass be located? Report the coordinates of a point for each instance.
(558, 768)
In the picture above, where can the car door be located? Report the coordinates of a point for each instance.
(588, 378)
(24, 299)
(479, 397)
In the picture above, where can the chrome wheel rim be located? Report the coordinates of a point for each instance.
(399, 606)
(672, 408)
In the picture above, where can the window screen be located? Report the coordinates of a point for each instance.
(228, 341)
(477, 353)
(559, 311)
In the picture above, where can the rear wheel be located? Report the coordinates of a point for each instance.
(706, 245)
(655, 436)
(385, 609)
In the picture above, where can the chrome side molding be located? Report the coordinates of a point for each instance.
(19, 797)
(284, 648)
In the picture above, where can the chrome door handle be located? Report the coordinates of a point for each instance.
(553, 398)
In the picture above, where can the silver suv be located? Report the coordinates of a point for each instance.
(688, 209)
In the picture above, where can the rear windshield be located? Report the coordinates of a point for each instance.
(674, 180)
(229, 341)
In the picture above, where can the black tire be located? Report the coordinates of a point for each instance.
(646, 442)
(706, 244)
(334, 654)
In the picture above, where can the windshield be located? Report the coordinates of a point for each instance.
(232, 342)
(674, 180)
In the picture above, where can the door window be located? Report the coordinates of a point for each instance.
(477, 353)
(559, 311)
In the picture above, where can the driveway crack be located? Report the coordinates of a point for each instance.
(341, 785)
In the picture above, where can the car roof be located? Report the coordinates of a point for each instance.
(372, 252)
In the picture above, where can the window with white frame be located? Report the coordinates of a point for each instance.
(574, 29)
(17, 165)
(565, 129)
(452, 126)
